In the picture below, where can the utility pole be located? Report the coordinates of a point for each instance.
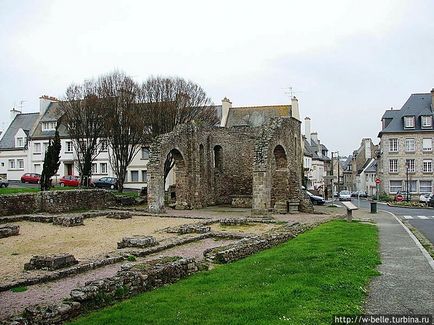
(406, 171)
(339, 180)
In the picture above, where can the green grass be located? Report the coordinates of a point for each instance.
(19, 289)
(304, 281)
(14, 190)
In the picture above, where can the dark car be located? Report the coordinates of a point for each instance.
(315, 199)
(4, 182)
(31, 178)
(431, 201)
(69, 180)
(359, 194)
(106, 182)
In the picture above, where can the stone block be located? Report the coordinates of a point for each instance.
(119, 215)
(50, 262)
(68, 221)
(242, 201)
(233, 221)
(9, 230)
(138, 242)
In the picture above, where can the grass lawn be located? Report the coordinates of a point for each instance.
(304, 281)
(13, 190)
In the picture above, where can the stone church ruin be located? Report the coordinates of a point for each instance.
(258, 167)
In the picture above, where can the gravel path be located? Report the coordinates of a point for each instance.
(14, 302)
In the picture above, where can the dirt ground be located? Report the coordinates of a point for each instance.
(97, 237)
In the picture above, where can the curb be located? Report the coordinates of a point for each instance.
(418, 244)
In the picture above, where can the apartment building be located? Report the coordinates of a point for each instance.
(406, 146)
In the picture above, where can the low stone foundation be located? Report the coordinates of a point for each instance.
(51, 262)
(137, 241)
(9, 230)
(189, 229)
(249, 246)
(306, 206)
(119, 215)
(233, 221)
(68, 221)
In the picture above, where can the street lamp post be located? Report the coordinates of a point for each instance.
(406, 172)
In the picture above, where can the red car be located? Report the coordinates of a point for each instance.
(69, 180)
(31, 178)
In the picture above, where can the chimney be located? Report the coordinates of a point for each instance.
(295, 112)
(44, 102)
(319, 149)
(432, 98)
(314, 136)
(14, 113)
(307, 129)
(226, 106)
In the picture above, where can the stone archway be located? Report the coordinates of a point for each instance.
(180, 194)
(279, 180)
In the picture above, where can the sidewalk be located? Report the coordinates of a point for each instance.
(406, 283)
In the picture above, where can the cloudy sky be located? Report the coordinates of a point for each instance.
(346, 60)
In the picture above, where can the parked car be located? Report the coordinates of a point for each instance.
(359, 194)
(315, 199)
(402, 196)
(69, 180)
(4, 182)
(431, 201)
(31, 178)
(424, 198)
(106, 182)
(344, 195)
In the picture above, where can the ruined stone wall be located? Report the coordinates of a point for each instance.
(55, 201)
(272, 182)
(216, 163)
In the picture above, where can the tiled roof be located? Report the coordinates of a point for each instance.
(255, 115)
(22, 121)
(416, 105)
(51, 114)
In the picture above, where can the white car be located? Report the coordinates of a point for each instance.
(344, 196)
(424, 198)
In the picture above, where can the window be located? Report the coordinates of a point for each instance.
(103, 168)
(45, 146)
(412, 186)
(68, 146)
(94, 168)
(37, 147)
(20, 142)
(103, 144)
(409, 145)
(20, 163)
(425, 186)
(427, 144)
(37, 168)
(145, 153)
(393, 145)
(409, 122)
(144, 176)
(426, 122)
(49, 126)
(393, 165)
(12, 163)
(427, 165)
(395, 186)
(218, 158)
(134, 176)
(409, 163)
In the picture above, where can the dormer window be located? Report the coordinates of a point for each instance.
(20, 142)
(426, 121)
(409, 122)
(49, 126)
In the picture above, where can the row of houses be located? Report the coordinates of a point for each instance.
(403, 159)
(23, 145)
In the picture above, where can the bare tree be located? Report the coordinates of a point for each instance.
(83, 117)
(169, 101)
(125, 121)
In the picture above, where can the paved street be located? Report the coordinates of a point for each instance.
(421, 219)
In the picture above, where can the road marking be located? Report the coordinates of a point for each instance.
(408, 217)
(422, 217)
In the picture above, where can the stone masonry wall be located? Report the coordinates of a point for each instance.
(55, 201)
